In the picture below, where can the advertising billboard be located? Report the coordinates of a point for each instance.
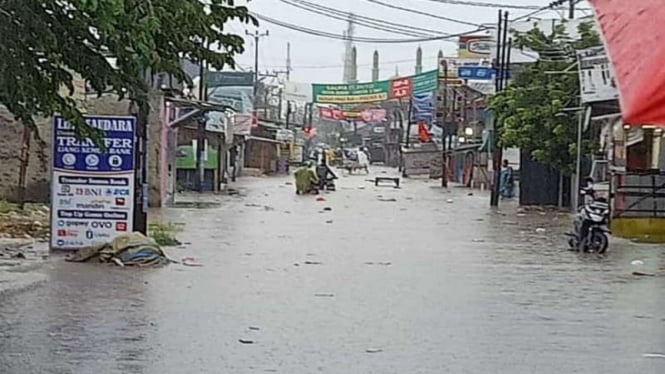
(597, 82)
(475, 46)
(92, 192)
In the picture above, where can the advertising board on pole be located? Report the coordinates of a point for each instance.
(597, 82)
(92, 188)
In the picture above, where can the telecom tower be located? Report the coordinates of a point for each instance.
(348, 51)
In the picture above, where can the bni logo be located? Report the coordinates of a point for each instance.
(88, 191)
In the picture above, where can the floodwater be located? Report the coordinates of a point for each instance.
(413, 280)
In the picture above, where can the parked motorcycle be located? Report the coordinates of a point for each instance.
(590, 233)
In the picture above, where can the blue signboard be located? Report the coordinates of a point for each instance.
(92, 192)
(423, 107)
(72, 153)
(476, 72)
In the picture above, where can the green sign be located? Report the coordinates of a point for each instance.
(187, 159)
(425, 82)
(373, 92)
(351, 93)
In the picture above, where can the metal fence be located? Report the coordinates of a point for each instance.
(639, 195)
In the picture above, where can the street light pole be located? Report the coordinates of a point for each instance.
(257, 35)
(578, 159)
(444, 158)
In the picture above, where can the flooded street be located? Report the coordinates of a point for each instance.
(410, 280)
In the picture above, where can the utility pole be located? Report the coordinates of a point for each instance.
(257, 35)
(499, 84)
(571, 10)
(201, 133)
(444, 125)
(288, 61)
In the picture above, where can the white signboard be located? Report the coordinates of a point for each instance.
(597, 81)
(92, 192)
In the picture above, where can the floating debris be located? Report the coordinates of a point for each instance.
(374, 350)
(246, 341)
(653, 355)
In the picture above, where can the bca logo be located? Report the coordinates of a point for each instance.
(117, 192)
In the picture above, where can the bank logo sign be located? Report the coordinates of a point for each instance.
(92, 182)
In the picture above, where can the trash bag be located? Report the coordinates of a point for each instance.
(133, 249)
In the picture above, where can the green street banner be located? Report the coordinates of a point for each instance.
(372, 92)
(351, 93)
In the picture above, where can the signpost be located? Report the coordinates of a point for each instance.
(92, 193)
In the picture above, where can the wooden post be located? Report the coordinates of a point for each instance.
(23, 168)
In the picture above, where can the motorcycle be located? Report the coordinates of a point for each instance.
(590, 228)
(326, 178)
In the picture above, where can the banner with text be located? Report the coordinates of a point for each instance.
(92, 189)
(373, 92)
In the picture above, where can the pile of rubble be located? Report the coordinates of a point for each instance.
(30, 223)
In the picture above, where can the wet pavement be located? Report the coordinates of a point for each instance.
(410, 280)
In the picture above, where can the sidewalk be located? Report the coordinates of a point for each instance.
(21, 261)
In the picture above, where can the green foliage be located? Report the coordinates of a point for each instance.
(109, 43)
(164, 234)
(531, 111)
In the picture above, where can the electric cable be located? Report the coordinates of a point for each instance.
(330, 35)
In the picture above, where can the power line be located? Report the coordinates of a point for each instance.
(414, 11)
(365, 21)
(551, 6)
(325, 34)
(359, 65)
(488, 5)
(369, 25)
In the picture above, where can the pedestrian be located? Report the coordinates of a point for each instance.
(233, 159)
(306, 178)
(507, 183)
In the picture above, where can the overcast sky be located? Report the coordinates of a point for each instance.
(317, 59)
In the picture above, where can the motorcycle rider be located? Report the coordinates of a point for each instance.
(589, 198)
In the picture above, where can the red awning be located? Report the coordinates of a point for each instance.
(635, 39)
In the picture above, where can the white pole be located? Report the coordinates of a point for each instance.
(578, 161)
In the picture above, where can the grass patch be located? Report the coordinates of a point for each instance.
(164, 234)
(7, 207)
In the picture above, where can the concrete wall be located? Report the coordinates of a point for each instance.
(39, 166)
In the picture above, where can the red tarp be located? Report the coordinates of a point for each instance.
(634, 33)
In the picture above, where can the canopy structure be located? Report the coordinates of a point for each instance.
(634, 37)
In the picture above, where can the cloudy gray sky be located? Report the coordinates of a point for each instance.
(317, 59)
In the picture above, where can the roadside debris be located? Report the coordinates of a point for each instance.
(653, 355)
(541, 230)
(313, 263)
(320, 198)
(390, 200)
(254, 328)
(191, 261)
(324, 294)
(378, 263)
(327, 209)
(450, 201)
(374, 350)
(329, 221)
(133, 249)
(246, 341)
